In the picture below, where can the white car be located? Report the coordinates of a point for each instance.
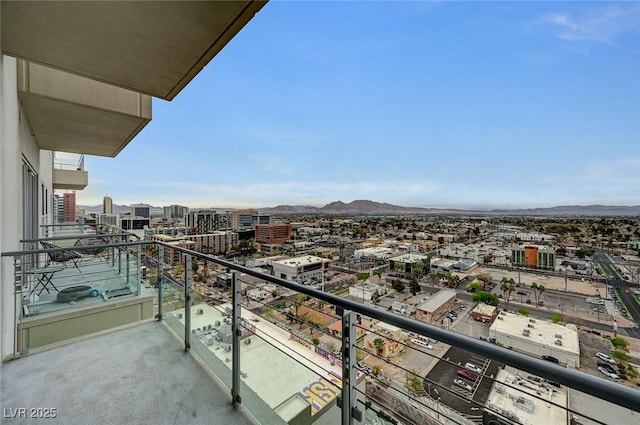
(473, 368)
(605, 358)
(607, 373)
(422, 343)
(462, 383)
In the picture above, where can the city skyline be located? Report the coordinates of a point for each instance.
(443, 105)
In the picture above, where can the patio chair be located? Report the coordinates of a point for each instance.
(98, 246)
(61, 256)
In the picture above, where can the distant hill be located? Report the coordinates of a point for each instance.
(366, 207)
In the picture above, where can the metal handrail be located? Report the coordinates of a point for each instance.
(592, 385)
(589, 384)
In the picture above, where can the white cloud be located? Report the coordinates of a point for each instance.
(602, 24)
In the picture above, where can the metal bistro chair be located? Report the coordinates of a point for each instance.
(62, 256)
(98, 246)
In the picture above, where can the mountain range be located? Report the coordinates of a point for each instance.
(366, 207)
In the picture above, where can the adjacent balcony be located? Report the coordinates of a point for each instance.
(69, 172)
(260, 349)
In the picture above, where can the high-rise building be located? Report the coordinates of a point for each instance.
(175, 212)
(140, 210)
(248, 219)
(69, 207)
(58, 209)
(205, 221)
(107, 205)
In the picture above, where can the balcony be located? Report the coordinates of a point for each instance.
(69, 173)
(297, 356)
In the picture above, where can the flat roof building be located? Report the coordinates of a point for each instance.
(434, 308)
(537, 337)
(519, 398)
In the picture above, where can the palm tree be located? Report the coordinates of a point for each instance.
(379, 344)
(537, 291)
(507, 286)
(452, 280)
(297, 302)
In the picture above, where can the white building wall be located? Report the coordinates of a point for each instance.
(16, 142)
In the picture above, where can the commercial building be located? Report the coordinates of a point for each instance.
(542, 257)
(140, 210)
(175, 213)
(307, 269)
(110, 219)
(214, 242)
(520, 398)
(248, 219)
(107, 205)
(484, 313)
(436, 307)
(69, 207)
(537, 337)
(203, 221)
(273, 233)
(406, 264)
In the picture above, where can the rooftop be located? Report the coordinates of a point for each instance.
(544, 333)
(517, 396)
(435, 301)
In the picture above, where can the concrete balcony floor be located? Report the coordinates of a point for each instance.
(135, 375)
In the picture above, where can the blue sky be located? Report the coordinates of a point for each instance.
(445, 104)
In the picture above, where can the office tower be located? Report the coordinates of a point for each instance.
(107, 205)
(69, 207)
(175, 212)
(140, 210)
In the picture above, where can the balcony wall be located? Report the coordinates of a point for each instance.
(70, 179)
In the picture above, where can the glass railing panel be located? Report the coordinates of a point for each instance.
(76, 277)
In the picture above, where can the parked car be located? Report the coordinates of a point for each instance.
(521, 293)
(422, 343)
(607, 366)
(540, 302)
(528, 301)
(462, 383)
(550, 359)
(607, 373)
(473, 368)
(605, 358)
(466, 374)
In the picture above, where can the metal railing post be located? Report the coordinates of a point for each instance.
(187, 302)
(128, 266)
(159, 280)
(235, 335)
(347, 400)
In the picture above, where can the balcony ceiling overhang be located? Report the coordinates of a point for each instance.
(151, 47)
(70, 113)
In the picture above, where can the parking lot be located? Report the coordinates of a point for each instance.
(440, 381)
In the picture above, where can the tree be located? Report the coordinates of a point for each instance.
(379, 344)
(485, 279)
(398, 285)
(507, 286)
(452, 280)
(297, 302)
(523, 311)
(412, 381)
(485, 297)
(474, 286)
(537, 291)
